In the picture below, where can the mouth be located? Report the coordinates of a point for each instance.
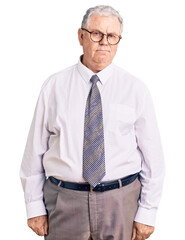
(102, 50)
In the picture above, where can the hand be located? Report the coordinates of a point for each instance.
(39, 225)
(141, 231)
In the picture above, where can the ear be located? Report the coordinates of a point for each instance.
(80, 36)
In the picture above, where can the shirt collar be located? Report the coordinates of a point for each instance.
(86, 73)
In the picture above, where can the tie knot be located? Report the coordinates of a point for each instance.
(94, 79)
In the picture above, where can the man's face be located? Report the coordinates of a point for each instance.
(98, 55)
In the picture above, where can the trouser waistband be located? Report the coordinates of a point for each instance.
(101, 187)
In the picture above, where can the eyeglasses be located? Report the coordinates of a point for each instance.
(97, 36)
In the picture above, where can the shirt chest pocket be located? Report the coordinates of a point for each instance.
(121, 119)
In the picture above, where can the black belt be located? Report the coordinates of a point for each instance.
(101, 187)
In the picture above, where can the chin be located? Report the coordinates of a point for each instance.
(102, 59)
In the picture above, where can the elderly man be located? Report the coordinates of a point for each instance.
(93, 164)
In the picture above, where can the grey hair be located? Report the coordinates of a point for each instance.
(101, 10)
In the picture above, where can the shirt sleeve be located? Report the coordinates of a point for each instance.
(152, 169)
(32, 172)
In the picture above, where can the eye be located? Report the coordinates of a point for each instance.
(112, 36)
(96, 33)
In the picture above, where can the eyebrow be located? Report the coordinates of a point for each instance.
(104, 33)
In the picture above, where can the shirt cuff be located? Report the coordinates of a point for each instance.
(35, 209)
(146, 216)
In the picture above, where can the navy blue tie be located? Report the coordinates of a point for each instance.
(93, 148)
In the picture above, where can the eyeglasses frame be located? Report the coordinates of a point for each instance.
(103, 34)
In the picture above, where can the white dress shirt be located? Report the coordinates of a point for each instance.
(55, 141)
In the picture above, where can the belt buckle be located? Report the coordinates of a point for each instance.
(59, 184)
(91, 188)
(120, 183)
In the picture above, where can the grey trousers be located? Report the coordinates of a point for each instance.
(81, 215)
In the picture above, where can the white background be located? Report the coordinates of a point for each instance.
(39, 38)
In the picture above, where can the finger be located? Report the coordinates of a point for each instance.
(139, 237)
(147, 235)
(144, 235)
(40, 232)
(35, 230)
(133, 233)
(46, 228)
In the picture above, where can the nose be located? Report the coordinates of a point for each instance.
(104, 40)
